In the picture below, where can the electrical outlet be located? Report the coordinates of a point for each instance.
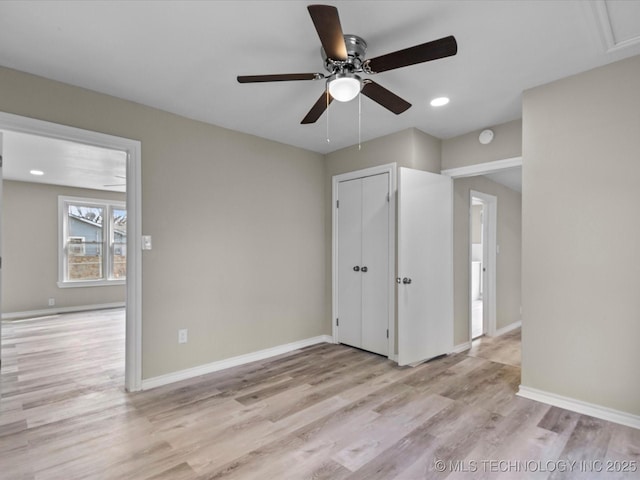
(52, 302)
(182, 335)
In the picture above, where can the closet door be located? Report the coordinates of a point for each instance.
(375, 263)
(425, 265)
(349, 262)
(363, 263)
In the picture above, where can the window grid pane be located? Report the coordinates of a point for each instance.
(85, 234)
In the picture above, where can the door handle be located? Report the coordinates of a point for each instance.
(364, 269)
(356, 268)
(406, 280)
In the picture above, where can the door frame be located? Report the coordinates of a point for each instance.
(133, 148)
(490, 249)
(472, 171)
(389, 168)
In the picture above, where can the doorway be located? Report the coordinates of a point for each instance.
(482, 263)
(476, 237)
(132, 149)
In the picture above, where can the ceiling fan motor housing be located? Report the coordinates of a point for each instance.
(356, 49)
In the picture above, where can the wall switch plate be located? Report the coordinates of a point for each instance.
(182, 335)
(146, 242)
(52, 302)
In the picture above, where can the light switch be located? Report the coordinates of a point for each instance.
(146, 242)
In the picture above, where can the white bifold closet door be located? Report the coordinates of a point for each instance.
(363, 263)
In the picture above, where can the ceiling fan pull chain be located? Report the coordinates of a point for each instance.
(327, 97)
(359, 121)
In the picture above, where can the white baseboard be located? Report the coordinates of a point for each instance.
(57, 310)
(154, 382)
(598, 411)
(461, 348)
(508, 328)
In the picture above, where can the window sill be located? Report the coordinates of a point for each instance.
(91, 283)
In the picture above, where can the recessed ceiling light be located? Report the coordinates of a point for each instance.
(440, 101)
(36, 172)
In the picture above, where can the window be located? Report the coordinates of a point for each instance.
(93, 242)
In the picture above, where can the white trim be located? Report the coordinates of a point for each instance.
(133, 347)
(463, 347)
(58, 310)
(508, 328)
(389, 168)
(578, 406)
(490, 226)
(90, 283)
(483, 168)
(602, 18)
(154, 382)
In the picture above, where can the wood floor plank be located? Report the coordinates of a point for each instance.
(323, 412)
(380, 434)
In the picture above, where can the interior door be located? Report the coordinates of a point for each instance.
(0, 248)
(363, 263)
(375, 263)
(425, 265)
(349, 262)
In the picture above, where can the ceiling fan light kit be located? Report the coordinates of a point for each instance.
(344, 87)
(344, 59)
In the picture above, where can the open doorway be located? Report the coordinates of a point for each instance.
(106, 243)
(482, 263)
(478, 240)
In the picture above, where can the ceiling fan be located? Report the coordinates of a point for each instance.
(344, 59)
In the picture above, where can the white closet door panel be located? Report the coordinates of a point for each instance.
(375, 258)
(425, 256)
(350, 256)
(1, 153)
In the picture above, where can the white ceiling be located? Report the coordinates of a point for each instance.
(509, 177)
(62, 162)
(183, 57)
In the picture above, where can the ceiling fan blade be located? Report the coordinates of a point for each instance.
(327, 23)
(443, 47)
(285, 77)
(384, 97)
(318, 108)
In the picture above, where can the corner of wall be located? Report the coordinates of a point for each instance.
(426, 151)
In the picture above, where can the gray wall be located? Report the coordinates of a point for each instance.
(248, 270)
(30, 250)
(508, 265)
(581, 248)
(466, 150)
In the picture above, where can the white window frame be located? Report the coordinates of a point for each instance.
(107, 250)
(73, 244)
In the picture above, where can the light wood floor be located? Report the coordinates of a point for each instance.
(326, 411)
